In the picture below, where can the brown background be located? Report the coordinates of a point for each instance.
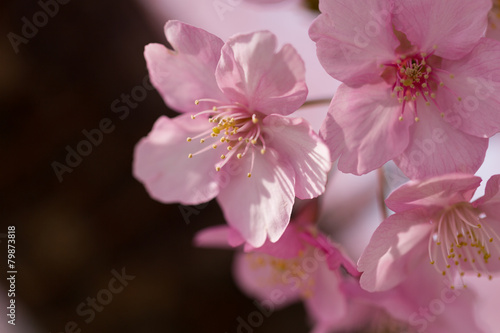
(71, 235)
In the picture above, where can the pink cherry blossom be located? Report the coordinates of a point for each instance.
(419, 84)
(435, 221)
(424, 302)
(302, 265)
(233, 140)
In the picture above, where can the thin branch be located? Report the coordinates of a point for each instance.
(381, 192)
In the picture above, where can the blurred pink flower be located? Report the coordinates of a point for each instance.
(240, 146)
(434, 218)
(419, 84)
(424, 302)
(302, 265)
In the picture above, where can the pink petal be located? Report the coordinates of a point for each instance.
(353, 38)
(438, 148)
(399, 242)
(476, 81)
(490, 202)
(295, 141)
(161, 162)
(327, 304)
(288, 246)
(453, 28)
(250, 72)
(219, 237)
(429, 305)
(363, 128)
(259, 206)
(188, 72)
(213, 237)
(261, 281)
(437, 192)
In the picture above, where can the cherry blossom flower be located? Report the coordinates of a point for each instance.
(419, 84)
(302, 265)
(233, 140)
(424, 302)
(435, 221)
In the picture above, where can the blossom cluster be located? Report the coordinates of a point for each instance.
(420, 93)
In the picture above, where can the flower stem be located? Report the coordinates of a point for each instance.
(381, 192)
(314, 102)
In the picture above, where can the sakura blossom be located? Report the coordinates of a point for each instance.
(302, 265)
(419, 84)
(233, 140)
(435, 221)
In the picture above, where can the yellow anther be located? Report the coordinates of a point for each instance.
(460, 99)
(223, 139)
(239, 156)
(216, 130)
(442, 114)
(190, 156)
(262, 151)
(214, 108)
(217, 168)
(202, 140)
(417, 119)
(433, 95)
(478, 275)
(441, 84)
(222, 156)
(249, 175)
(424, 85)
(433, 262)
(254, 141)
(240, 138)
(400, 118)
(452, 76)
(214, 146)
(189, 139)
(254, 119)
(193, 117)
(229, 147)
(197, 102)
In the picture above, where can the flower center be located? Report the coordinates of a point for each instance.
(413, 78)
(292, 273)
(235, 128)
(463, 240)
(495, 11)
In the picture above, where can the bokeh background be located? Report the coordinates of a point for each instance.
(70, 235)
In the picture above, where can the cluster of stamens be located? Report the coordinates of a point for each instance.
(235, 128)
(463, 241)
(415, 79)
(289, 272)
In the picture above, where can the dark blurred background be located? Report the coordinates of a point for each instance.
(72, 234)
